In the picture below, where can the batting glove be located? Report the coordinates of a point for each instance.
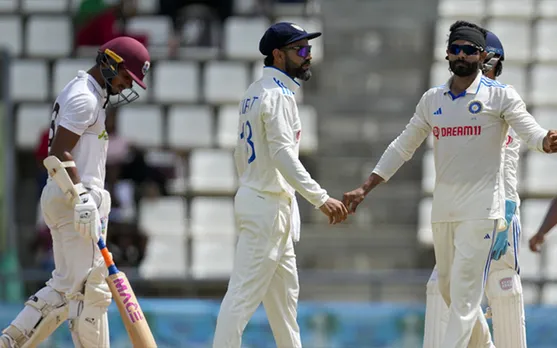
(502, 240)
(87, 220)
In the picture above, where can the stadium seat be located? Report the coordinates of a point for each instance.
(309, 24)
(439, 73)
(257, 70)
(550, 254)
(441, 38)
(48, 36)
(176, 82)
(158, 28)
(542, 81)
(163, 216)
(529, 293)
(212, 171)
(539, 173)
(32, 120)
(428, 172)
(225, 82)
(530, 262)
(547, 8)
(549, 294)
(510, 8)
(141, 125)
(8, 5)
(545, 31)
(165, 257)
(515, 75)
(29, 80)
(546, 116)
(65, 70)
(204, 261)
(516, 37)
(147, 6)
(461, 8)
(242, 35)
(212, 217)
(425, 235)
(57, 6)
(227, 126)
(11, 39)
(245, 7)
(309, 137)
(190, 127)
(532, 213)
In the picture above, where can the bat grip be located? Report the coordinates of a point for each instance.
(112, 269)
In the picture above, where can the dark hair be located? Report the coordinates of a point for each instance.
(269, 60)
(460, 24)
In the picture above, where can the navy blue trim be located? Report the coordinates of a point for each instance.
(488, 262)
(454, 97)
(285, 74)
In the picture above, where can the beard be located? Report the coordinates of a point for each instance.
(463, 68)
(297, 71)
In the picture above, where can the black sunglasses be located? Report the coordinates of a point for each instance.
(469, 50)
(302, 51)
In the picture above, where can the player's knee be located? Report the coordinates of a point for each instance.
(42, 314)
(88, 311)
(501, 283)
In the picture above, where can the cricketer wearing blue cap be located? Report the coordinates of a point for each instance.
(265, 206)
(503, 287)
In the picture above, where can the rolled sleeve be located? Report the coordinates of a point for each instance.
(78, 114)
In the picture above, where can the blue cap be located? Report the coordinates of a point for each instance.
(282, 34)
(493, 44)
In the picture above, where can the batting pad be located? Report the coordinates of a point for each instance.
(504, 292)
(436, 314)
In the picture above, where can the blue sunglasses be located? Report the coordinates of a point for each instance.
(468, 50)
(301, 51)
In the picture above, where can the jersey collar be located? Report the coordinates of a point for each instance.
(271, 71)
(98, 88)
(472, 89)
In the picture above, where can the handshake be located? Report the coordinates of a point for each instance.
(338, 211)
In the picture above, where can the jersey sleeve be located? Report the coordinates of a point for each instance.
(277, 113)
(78, 114)
(403, 147)
(513, 111)
(512, 154)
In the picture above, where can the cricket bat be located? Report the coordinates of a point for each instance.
(122, 292)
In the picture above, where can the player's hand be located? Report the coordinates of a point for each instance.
(536, 242)
(550, 142)
(501, 244)
(335, 210)
(87, 220)
(353, 198)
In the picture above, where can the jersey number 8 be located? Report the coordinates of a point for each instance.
(55, 112)
(247, 134)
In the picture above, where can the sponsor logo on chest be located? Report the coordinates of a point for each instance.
(456, 131)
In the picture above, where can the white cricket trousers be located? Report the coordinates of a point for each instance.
(264, 271)
(462, 253)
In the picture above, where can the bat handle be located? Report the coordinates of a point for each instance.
(112, 269)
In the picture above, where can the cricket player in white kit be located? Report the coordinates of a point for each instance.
(503, 288)
(77, 291)
(265, 205)
(469, 117)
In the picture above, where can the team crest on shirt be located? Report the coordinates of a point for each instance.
(103, 135)
(475, 107)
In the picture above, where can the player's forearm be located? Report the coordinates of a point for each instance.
(372, 181)
(550, 219)
(527, 129)
(298, 177)
(389, 164)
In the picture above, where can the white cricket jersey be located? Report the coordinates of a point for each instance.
(469, 132)
(269, 133)
(79, 109)
(512, 154)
